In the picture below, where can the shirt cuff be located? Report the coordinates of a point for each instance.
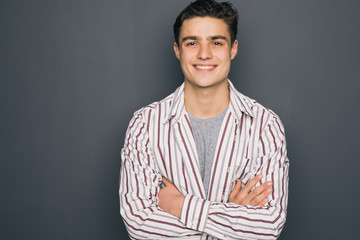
(195, 212)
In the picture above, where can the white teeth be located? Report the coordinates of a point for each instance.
(204, 67)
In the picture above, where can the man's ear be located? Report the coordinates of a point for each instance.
(177, 50)
(234, 49)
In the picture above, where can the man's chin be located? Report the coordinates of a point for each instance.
(207, 83)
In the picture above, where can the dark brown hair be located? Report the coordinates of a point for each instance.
(208, 8)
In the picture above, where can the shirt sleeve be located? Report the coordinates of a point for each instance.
(232, 221)
(139, 188)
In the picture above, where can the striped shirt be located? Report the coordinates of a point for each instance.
(160, 142)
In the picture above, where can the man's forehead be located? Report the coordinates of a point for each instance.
(204, 27)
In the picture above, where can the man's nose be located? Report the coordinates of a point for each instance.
(204, 52)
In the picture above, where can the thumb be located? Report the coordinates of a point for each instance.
(236, 189)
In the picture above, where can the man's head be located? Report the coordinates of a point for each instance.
(205, 43)
(208, 8)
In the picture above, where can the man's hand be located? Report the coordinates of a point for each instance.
(170, 199)
(246, 196)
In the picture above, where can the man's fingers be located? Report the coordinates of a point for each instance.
(261, 199)
(263, 202)
(249, 195)
(259, 190)
(236, 189)
(250, 184)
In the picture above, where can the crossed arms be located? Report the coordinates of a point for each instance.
(171, 200)
(153, 213)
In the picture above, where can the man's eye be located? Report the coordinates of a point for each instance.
(190, 44)
(218, 44)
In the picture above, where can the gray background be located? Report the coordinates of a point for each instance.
(73, 72)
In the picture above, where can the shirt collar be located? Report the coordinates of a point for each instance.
(239, 104)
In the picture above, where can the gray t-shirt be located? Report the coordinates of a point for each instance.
(206, 132)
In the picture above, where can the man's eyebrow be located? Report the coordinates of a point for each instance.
(211, 38)
(189, 38)
(218, 37)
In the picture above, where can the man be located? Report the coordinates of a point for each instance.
(206, 162)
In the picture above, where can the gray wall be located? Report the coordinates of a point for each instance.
(73, 72)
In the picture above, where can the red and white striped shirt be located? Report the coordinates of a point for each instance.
(159, 142)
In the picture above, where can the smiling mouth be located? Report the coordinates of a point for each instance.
(205, 67)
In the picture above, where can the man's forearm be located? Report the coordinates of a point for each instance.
(170, 199)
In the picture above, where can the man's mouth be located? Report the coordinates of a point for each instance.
(205, 67)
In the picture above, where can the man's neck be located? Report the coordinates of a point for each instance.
(206, 102)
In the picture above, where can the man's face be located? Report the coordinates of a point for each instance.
(205, 51)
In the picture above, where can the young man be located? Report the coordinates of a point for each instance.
(206, 162)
